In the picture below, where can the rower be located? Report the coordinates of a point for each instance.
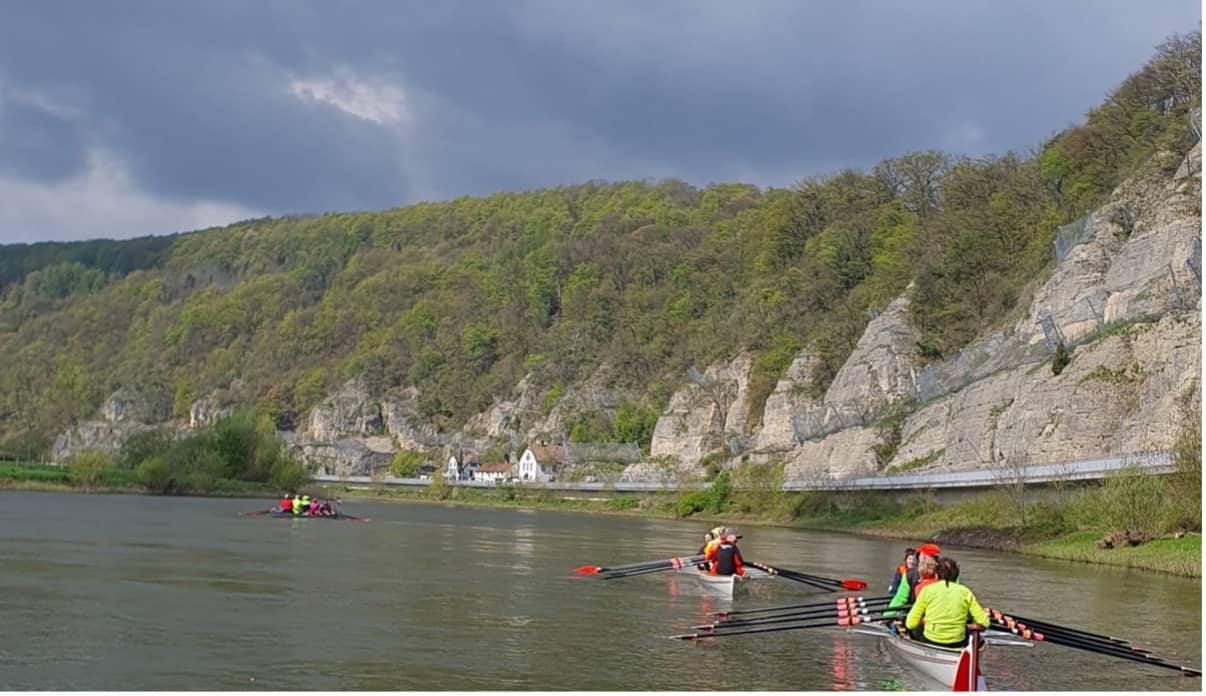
(927, 573)
(708, 537)
(945, 606)
(904, 591)
(902, 570)
(286, 503)
(305, 504)
(296, 504)
(726, 557)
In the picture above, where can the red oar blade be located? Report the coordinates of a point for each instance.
(852, 584)
(588, 570)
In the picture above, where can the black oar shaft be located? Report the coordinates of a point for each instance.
(789, 607)
(1118, 651)
(1040, 625)
(834, 609)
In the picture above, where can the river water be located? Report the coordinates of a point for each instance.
(105, 592)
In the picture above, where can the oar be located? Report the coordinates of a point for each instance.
(641, 571)
(838, 611)
(787, 607)
(1054, 630)
(856, 619)
(830, 584)
(254, 513)
(1118, 651)
(1038, 623)
(664, 564)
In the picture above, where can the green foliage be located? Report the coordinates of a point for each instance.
(154, 473)
(769, 366)
(406, 463)
(1126, 499)
(1127, 374)
(916, 463)
(1062, 357)
(288, 475)
(635, 423)
(692, 502)
(551, 397)
(89, 468)
(1186, 482)
(624, 502)
(439, 488)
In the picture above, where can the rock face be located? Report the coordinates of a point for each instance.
(701, 414)
(349, 411)
(124, 414)
(1118, 395)
(788, 399)
(347, 456)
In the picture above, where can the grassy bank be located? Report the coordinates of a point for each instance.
(33, 476)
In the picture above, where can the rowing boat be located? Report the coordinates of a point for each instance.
(940, 665)
(726, 586)
(277, 513)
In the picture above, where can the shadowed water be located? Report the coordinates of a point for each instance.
(143, 593)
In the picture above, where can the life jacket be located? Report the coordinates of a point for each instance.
(286, 504)
(313, 506)
(296, 505)
(727, 560)
(305, 503)
(921, 584)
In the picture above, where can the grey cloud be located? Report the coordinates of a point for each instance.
(514, 95)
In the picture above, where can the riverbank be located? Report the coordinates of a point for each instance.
(988, 522)
(862, 514)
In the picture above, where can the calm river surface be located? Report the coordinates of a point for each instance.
(146, 593)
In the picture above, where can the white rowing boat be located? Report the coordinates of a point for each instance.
(726, 586)
(940, 665)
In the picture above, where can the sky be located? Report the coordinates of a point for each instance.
(123, 119)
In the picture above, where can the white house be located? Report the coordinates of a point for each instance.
(453, 472)
(536, 463)
(492, 472)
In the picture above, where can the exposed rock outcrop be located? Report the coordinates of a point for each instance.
(124, 414)
(789, 398)
(701, 414)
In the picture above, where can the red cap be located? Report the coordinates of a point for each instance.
(929, 550)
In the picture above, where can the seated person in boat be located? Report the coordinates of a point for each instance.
(725, 557)
(286, 504)
(945, 606)
(902, 570)
(905, 593)
(711, 538)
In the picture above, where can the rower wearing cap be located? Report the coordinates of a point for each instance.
(904, 591)
(725, 556)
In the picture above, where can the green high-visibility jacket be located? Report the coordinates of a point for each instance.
(946, 607)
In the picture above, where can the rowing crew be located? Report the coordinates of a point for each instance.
(720, 552)
(304, 505)
(941, 607)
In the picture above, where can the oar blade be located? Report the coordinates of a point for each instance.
(852, 584)
(588, 570)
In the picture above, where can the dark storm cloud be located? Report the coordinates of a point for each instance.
(274, 107)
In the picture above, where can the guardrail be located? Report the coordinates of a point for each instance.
(1079, 470)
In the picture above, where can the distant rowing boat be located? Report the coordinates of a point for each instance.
(278, 514)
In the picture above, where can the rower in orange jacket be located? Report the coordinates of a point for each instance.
(725, 557)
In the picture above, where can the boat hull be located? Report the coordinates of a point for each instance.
(939, 665)
(726, 586)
